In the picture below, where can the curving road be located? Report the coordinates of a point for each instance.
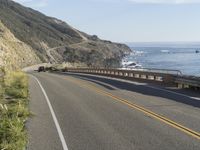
(85, 112)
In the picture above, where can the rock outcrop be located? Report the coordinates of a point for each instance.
(53, 40)
(15, 54)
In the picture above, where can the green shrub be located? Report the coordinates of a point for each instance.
(16, 84)
(13, 115)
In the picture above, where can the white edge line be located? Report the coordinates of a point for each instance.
(62, 139)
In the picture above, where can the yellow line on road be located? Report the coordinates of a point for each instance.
(140, 108)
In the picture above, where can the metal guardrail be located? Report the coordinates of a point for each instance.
(188, 81)
(163, 76)
(140, 74)
(173, 77)
(166, 71)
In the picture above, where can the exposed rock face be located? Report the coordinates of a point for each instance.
(15, 54)
(54, 40)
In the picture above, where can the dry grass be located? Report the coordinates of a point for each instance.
(13, 111)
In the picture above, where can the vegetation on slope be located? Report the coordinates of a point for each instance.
(13, 111)
(42, 33)
(14, 54)
(33, 24)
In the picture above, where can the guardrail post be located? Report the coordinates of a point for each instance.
(168, 79)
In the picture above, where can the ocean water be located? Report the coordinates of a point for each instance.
(184, 59)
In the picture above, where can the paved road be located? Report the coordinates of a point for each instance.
(97, 113)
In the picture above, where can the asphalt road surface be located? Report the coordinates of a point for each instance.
(85, 112)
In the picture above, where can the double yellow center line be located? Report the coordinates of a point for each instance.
(139, 108)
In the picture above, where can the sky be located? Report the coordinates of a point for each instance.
(128, 20)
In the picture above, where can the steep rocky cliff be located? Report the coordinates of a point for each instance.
(53, 40)
(15, 54)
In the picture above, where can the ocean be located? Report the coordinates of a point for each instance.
(184, 59)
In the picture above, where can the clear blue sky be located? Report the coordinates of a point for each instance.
(128, 20)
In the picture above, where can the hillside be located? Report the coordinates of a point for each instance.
(55, 41)
(14, 53)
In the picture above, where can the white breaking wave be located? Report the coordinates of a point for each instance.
(165, 51)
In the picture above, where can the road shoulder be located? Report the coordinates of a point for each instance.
(41, 126)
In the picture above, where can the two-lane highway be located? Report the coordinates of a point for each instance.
(84, 112)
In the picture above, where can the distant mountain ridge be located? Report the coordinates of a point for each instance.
(43, 34)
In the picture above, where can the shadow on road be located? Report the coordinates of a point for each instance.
(142, 89)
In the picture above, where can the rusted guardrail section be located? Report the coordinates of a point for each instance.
(187, 81)
(165, 71)
(172, 77)
(142, 74)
